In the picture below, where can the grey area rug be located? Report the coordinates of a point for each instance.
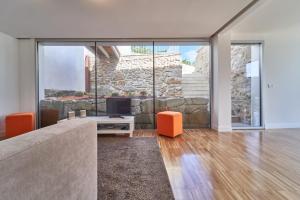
(131, 168)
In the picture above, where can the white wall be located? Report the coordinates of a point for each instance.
(27, 75)
(221, 104)
(116, 19)
(281, 59)
(281, 70)
(61, 68)
(9, 78)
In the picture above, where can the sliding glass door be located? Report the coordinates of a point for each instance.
(246, 85)
(125, 70)
(182, 81)
(66, 80)
(154, 76)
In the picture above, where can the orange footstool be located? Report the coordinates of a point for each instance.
(169, 123)
(19, 123)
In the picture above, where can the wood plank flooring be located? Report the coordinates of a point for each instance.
(204, 164)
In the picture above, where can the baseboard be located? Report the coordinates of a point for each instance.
(222, 129)
(282, 125)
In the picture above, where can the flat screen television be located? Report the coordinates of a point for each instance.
(118, 106)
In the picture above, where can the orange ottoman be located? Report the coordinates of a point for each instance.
(169, 123)
(19, 123)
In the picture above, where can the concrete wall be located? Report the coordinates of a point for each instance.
(9, 78)
(61, 68)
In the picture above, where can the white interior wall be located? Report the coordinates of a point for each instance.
(221, 105)
(116, 19)
(27, 75)
(215, 96)
(277, 24)
(9, 78)
(280, 72)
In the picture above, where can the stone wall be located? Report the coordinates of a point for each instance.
(62, 93)
(202, 61)
(132, 75)
(65, 106)
(194, 110)
(241, 85)
(168, 75)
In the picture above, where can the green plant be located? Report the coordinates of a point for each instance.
(130, 94)
(185, 61)
(141, 49)
(115, 94)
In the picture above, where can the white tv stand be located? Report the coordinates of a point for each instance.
(125, 121)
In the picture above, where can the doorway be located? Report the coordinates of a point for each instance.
(246, 92)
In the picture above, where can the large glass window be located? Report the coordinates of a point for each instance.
(66, 80)
(125, 70)
(154, 76)
(182, 81)
(246, 85)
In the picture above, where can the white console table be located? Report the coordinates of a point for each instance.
(107, 120)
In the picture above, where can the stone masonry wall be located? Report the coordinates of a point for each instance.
(202, 61)
(194, 110)
(241, 85)
(132, 75)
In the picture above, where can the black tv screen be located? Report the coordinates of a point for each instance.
(118, 106)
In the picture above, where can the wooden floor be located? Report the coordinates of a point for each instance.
(203, 164)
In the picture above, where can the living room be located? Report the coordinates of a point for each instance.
(199, 102)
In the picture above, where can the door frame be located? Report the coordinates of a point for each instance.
(261, 71)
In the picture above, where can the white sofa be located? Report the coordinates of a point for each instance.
(56, 162)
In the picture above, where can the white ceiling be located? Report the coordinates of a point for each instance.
(269, 16)
(116, 18)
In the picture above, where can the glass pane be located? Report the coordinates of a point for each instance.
(125, 74)
(182, 81)
(66, 80)
(245, 85)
